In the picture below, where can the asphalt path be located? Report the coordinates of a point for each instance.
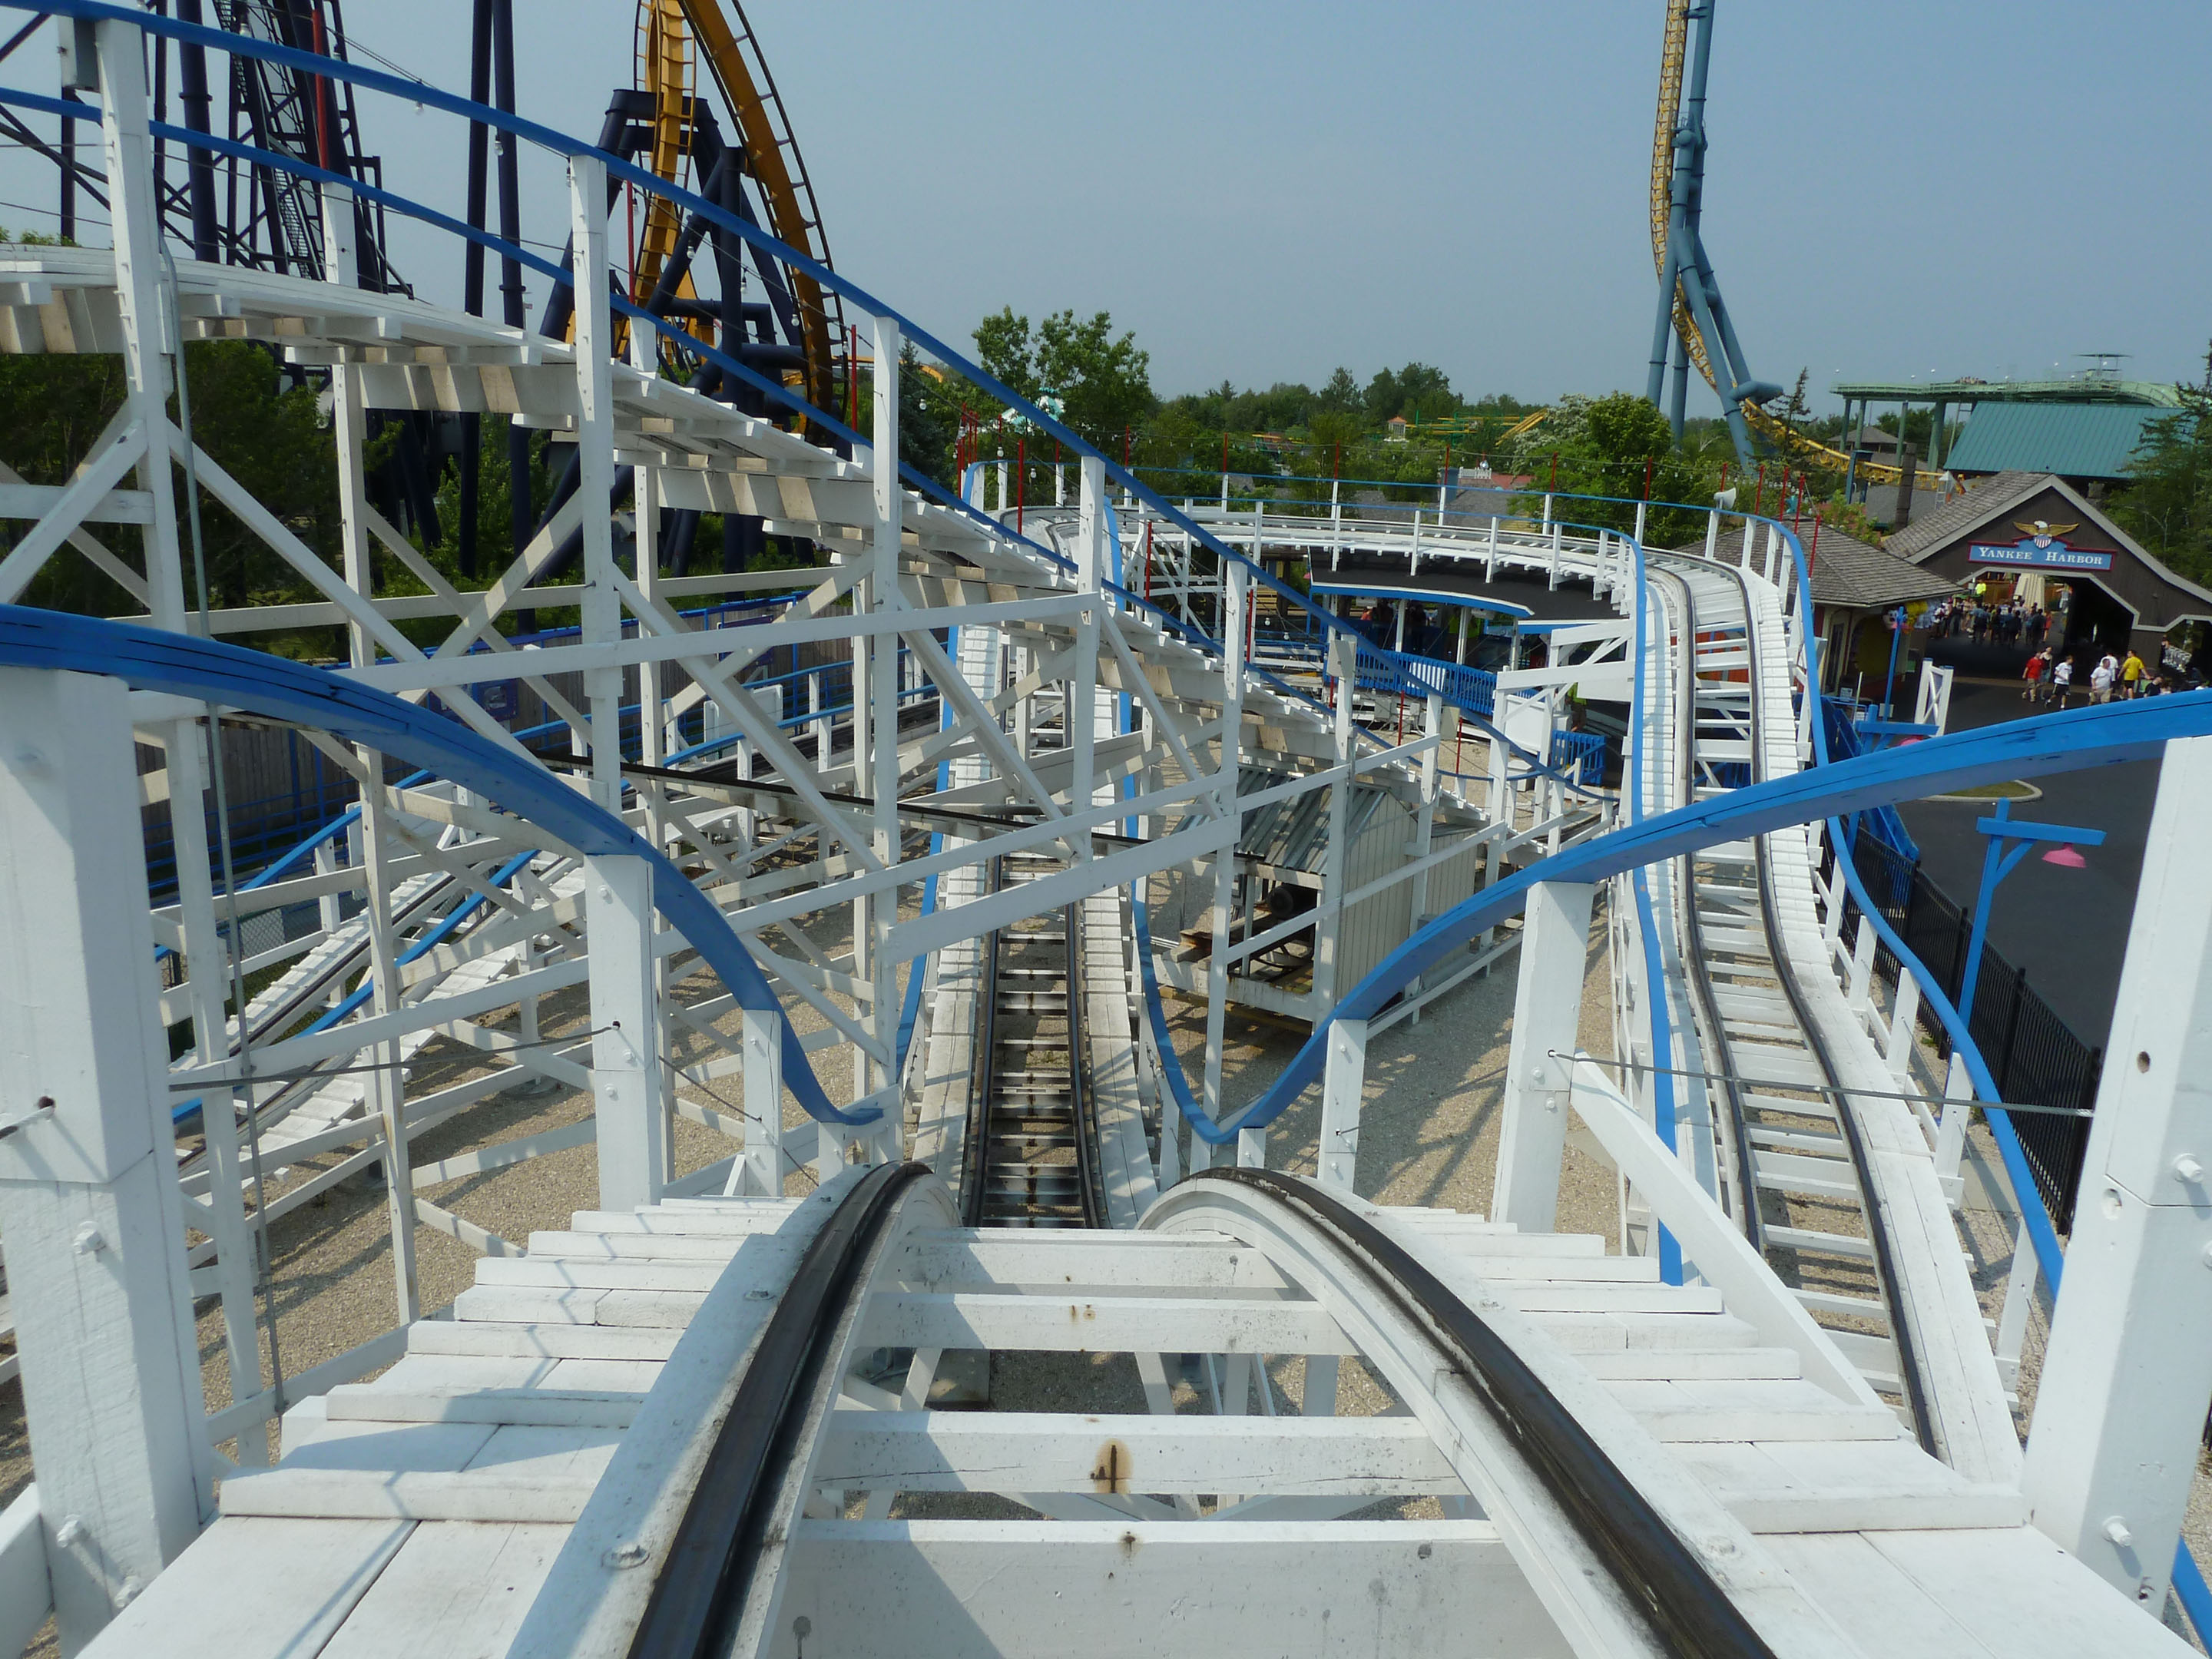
(2068, 928)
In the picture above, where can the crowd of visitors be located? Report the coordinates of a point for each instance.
(2011, 624)
(2052, 679)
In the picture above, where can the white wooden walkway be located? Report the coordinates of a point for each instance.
(428, 1512)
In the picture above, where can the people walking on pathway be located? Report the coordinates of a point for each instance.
(2061, 680)
(2100, 679)
(2038, 666)
(2131, 674)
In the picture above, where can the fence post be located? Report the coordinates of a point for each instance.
(2012, 1031)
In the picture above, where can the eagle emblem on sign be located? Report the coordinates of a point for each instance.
(2043, 532)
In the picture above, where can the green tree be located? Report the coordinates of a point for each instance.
(270, 438)
(928, 418)
(1605, 448)
(1005, 348)
(2168, 503)
(1418, 387)
(1103, 382)
(1341, 395)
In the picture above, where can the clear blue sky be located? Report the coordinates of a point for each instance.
(1265, 191)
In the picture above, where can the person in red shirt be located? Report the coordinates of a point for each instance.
(2038, 666)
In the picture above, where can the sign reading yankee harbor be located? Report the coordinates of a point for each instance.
(2041, 547)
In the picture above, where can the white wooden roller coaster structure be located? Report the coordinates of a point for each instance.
(735, 1410)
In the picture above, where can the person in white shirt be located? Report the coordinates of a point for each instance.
(2061, 680)
(2101, 681)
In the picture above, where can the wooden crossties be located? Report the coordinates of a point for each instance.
(505, 1488)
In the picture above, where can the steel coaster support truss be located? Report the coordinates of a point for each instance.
(1691, 313)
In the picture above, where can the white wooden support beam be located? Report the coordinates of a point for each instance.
(628, 1081)
(1425, 820)
(1328, 926)
(595, 466)
(1547, 1015)
(760, 1168)
(1343, 1083)
(88, 1196)
(1085, 714)
(135, 228)
(1251, 1143)
(386, 1088)
(876, 678)
(2119, 1410)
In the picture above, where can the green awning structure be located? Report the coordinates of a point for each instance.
(2074, 441)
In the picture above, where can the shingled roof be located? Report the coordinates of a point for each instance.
(1847, 571)
(1946, 523)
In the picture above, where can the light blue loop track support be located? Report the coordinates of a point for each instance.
(231, 678)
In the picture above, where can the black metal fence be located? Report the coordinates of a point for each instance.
(2034, 1056)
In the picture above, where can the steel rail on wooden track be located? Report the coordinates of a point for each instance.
(983, 1062)
(1744, 1192)
(1688, 1611)
(1913, 1383)
(699, 1600)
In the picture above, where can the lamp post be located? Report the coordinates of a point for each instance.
(2010, 840)
(1899, 621)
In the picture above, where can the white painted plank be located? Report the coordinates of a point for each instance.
(545, 1408)
(1099, 1325)
(530, 1451)
(1023, 1451)
(1691, 1364)
(1125, 1263)
(1578, 1331)
(2021, 1588)
(535, 1272)
(527, 1340)
(252, 1587)
(1878, 1607)
(947, 1590)
(1875, 1485)
(368, 1494)
(456, 1590)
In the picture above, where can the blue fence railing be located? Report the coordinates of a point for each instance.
(1882, 824)
(1580, 755)
(1398, 673)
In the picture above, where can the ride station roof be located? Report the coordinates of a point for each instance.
(2078, 389)
(2074, 441)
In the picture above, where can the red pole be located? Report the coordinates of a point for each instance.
(1647, 478)
(1552, 482)
(1125, 449)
